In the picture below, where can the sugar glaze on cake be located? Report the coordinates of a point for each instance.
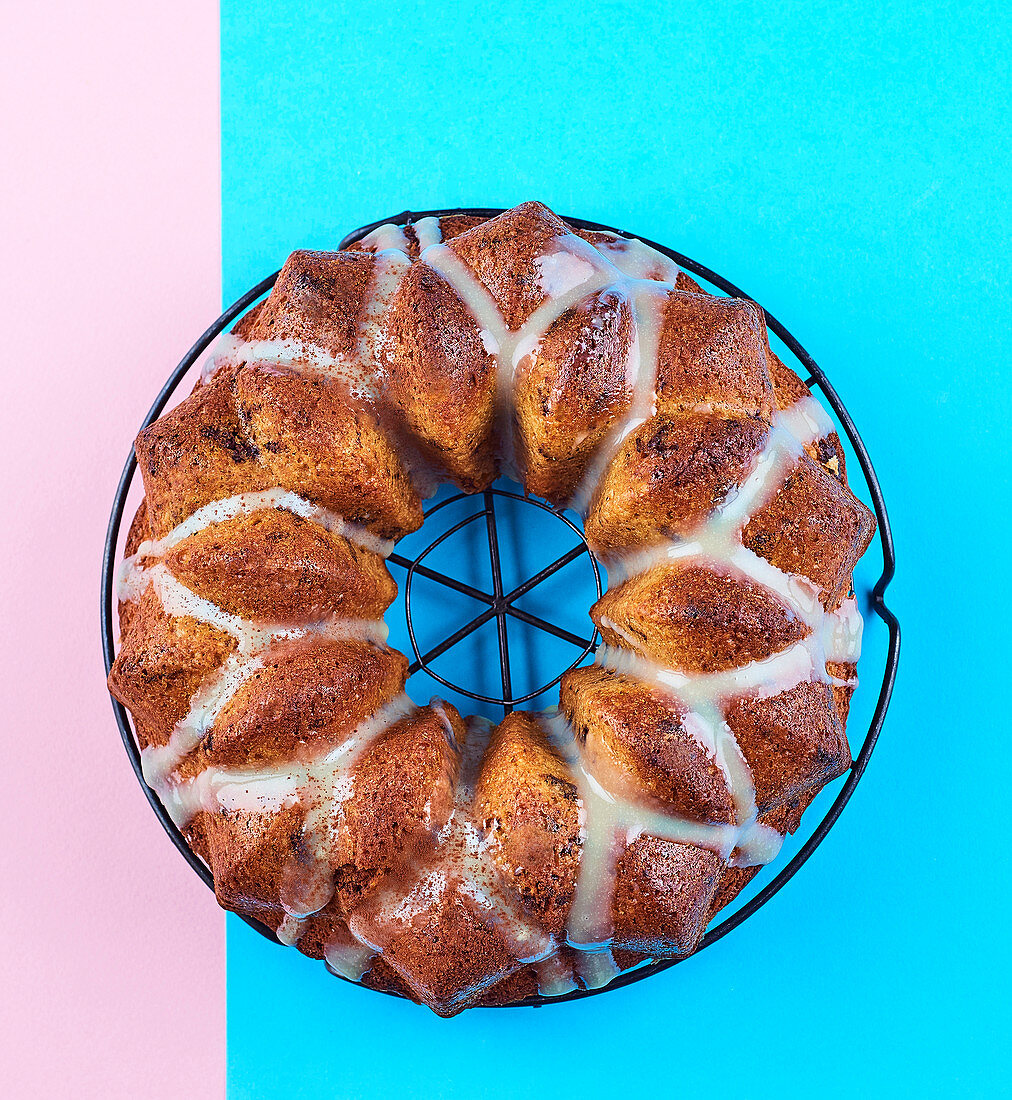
(413, 850)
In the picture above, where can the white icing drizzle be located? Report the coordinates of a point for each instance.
(799, 663)
(289, 930)
(610, 823)
(245, 504)
(179, 601)
(321, 785)
(597, 967)
(291, 355)
(807, 420)
(138, 572)
(718, 540)
(648, 301)
(387, 237)
(466, 864)
(475, 865)
(350, 960)
(427, 232)
(361, 371)
(637, 260)
(717, 546)
(568, 273)
(158, 762)
(252, 639)
(391, 267)
(562, 272)
(246, 790)
(842, 637)
(307, 887)
(555, 978)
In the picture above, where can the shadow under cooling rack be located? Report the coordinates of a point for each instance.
(500, 605)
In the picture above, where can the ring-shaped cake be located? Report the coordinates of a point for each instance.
(415, 850)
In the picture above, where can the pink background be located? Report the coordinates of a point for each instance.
(112, 966)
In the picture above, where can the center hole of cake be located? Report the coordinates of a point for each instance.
(494, 595)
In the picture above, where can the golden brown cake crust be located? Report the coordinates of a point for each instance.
(441, 379)
(404, 790)
(308, 692)
(528, 802)
(713, 353)
(814, 527)
(197, 453)
(450, 226)
(278, 566)
(311, 438)
(642, 733)
(319, 299)
(663, 896)
(502, 253)
(668, 476)
(569, 395)
(793, 742)
(161, 663)
(696, 619)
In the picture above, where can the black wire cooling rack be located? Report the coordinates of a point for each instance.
(500, 604)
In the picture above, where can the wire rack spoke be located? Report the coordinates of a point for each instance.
(549, 628)
(544, 574)
(457, 636)
(441, 578)
(500, 606)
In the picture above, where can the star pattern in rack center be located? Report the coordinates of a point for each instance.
(499, 603)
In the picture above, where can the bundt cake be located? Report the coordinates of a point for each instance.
(413, 849)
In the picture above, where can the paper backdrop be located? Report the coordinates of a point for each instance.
(846, 165)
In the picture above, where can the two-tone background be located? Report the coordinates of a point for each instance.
(847, 165)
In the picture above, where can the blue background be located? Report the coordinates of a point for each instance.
(849, 167)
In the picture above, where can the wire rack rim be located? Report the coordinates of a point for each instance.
(877, 604)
